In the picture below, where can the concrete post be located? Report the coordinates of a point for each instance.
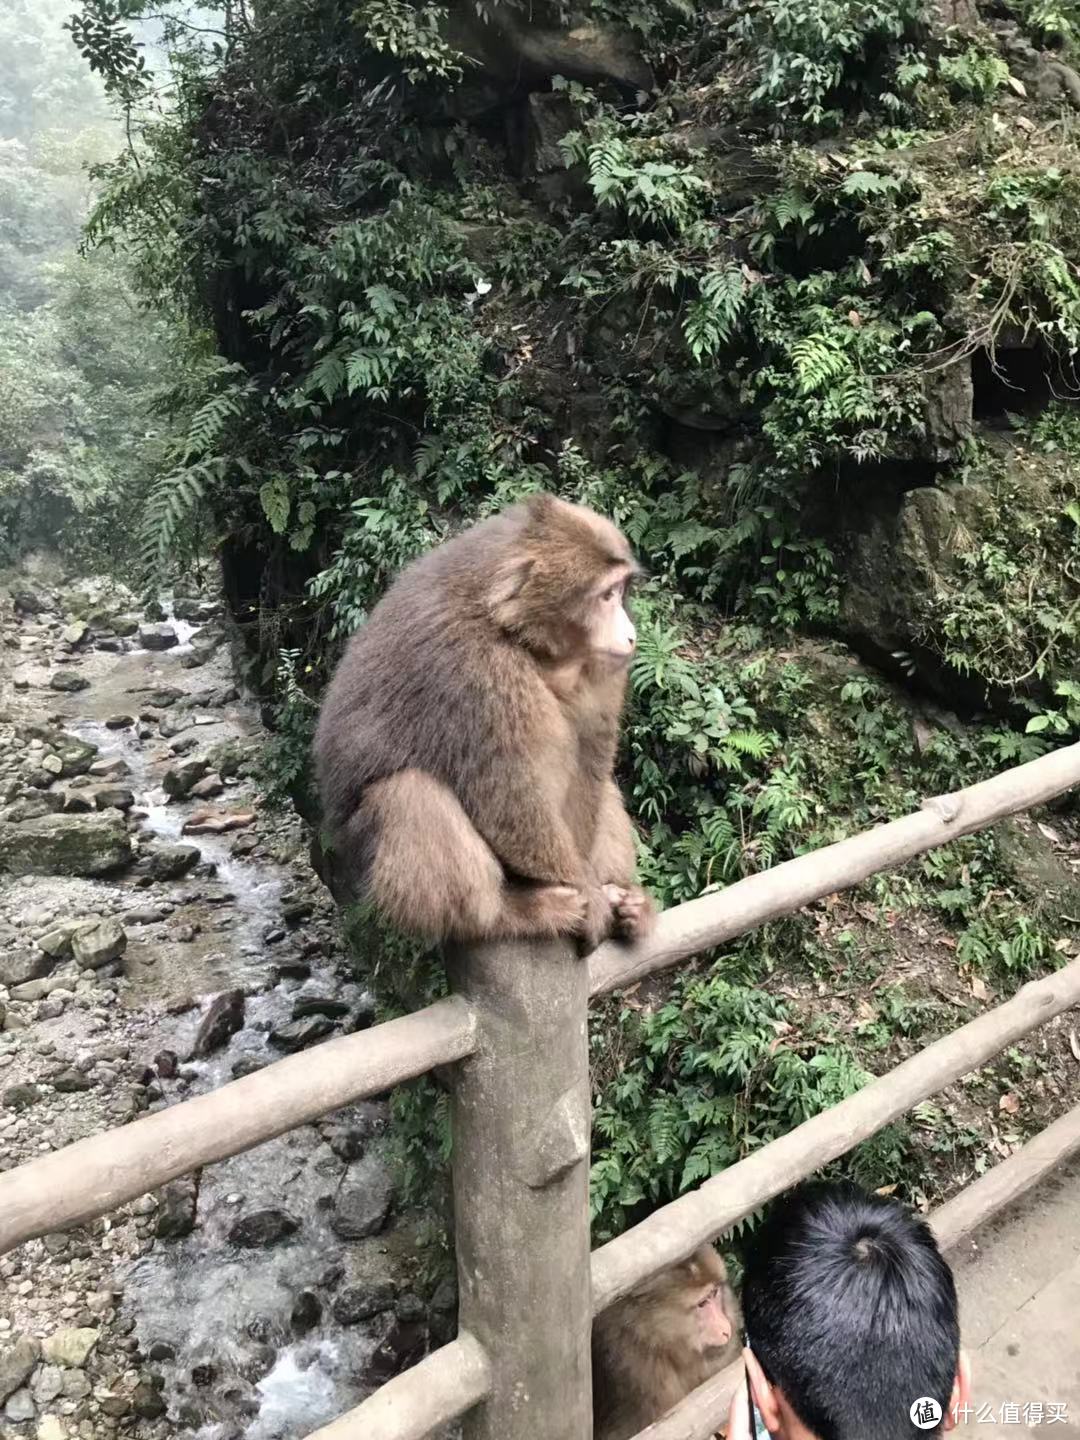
(521, 1124)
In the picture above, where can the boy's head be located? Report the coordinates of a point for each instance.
(851, 1317)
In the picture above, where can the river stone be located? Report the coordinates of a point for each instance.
(17, 1361)
(52, 1428)
(363, 1205)
(298, 1034)
(263, 1227)
(224, 1017)
(113, 797)
(70, 1081)
(157, 637)
(77, 755)
(21, 1097)
(19, 967)
(179, 779)
(146, 1401)
(363, 1302)
(177, 1207)
(65, 845)
(48, 1384)
(99, 944)
(68, 681)
(327, 1005)
(70, 1349)
(169, 862)
(208, 787)
(26, 602)
(20, 1407)
(52, 765)
(306, 1312)
(125, 625)
(75, 633)
(112, 769)
(120, 722)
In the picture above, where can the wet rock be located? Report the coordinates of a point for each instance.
(70, 1081)
(402, 1346)
(178, 779)
(21, 1097)
(299, 1034)
(263, 1227)
(189, 607)
(177, 1208)
(363, 1302)
(18, 967)
(161, 1351)
(70, 1349)
(68, 681)
(166, 1063)
(247, 1065)
(203, 1375)
(77, 755)
(306, 1312)
(223, 1018)
(363, 1205)
(52, 765)
(295, 908)
(17, 1360)
(410, 1309)
(157, 636)
(164, 696)
(75, 633)
(327, 1005)
(125, 625)
(113, 797)
(50, 1427)
(65, 845)
(169, 862)
(120, 722)
(99, 944)
(79, 802)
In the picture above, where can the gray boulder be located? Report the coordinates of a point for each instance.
(65, 845)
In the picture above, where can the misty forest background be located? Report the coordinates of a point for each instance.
(789, 288)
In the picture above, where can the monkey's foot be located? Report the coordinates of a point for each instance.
(633, 912)
(598, 921)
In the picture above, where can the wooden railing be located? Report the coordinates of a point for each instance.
(515, 1029)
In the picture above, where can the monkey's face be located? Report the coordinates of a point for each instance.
(712, 1323)
(611, 633)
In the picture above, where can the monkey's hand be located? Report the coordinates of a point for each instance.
(598, 918)
(633, 912)
(546, 910)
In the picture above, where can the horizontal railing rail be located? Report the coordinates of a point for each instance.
(519, 1369)
(102, 1172)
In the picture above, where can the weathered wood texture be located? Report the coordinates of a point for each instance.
(713, 919)
(521, 1121)
(671, 1234)
(98, 1174)
(983, 1198)
(414, 1404)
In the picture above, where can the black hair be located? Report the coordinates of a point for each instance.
(851, 1310)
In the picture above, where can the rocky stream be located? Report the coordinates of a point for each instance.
(160, 934)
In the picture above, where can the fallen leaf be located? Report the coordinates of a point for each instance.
(1025, 124)
(888, 1189)
(1050, 833)
(1074, 1044)
(1009, 1103)
(1017, 85)
(979, 988)
(855, 318)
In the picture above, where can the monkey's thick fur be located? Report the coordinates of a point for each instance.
(465, 748)
(646, 1350)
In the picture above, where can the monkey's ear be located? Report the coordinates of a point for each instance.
(541, 506)
(505, 592)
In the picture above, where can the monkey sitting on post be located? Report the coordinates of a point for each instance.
(466, 743)
(663, 1340)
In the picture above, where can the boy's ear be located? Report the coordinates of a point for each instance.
(961, 1391)
(763, 1393)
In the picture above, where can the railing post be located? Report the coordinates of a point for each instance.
(521, 1123)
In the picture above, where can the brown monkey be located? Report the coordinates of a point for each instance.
(465, 748)
(663, 1340)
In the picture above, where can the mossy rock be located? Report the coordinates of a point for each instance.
(64, 845)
